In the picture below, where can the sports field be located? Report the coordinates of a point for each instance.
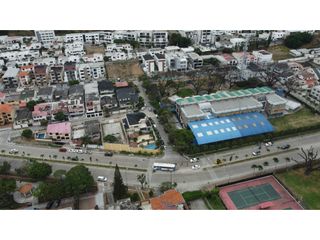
(262, 193)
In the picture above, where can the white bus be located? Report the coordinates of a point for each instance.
(164, 167)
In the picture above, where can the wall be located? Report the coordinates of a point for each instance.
(116, 147)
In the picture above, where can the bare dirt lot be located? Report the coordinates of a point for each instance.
(94, 49)
(125, 70)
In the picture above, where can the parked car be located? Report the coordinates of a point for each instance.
(13, 151)
(286, 146)
(195, 167)
(62, 149)
(193, 160)
(102, 179)
(49, 205)
(256, 153)
(268, 144)
(108, 154)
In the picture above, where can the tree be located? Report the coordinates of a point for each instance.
(134, 197)
(60, 116)
(198, 82)
(38, 170)
(310, 157)
(142, 180)
(31, 104)
(5, 168)
(110, 139)
(254, 166)
(140, 103)
(176, 39)
(60, 174)
(7, 186)
(78, 180)
(50, 191)
(120, 191)
(165, 186)
(73, 82)
(297, 39)
(86, 140)
(182, 139)
(4, 68)
(27, 133)
(106, 59)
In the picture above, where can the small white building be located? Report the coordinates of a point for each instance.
(263, 56)
(160, 61)
(195, 60)
(177, 61)
(148, 64)
(46, 37)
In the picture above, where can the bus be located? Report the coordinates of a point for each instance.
(164, 167)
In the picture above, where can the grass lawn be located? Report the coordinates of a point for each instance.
(279, 52)
(215, 201)
(185, 92)
(307, 187)
(302, 118)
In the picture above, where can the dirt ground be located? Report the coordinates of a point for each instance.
(279, 52)
(315, 43)
(125, 70)
(94, 49)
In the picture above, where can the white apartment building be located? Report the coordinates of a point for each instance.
(90, 71)
(71, 58)
(195, 60)
(160, 39)
(10, 78)
(276, 35)
(92, 100)
(74, 48)
(236, 42)
(118, 52)
(19, 55)
(206, 37)
(44, 61)
(73, 37)
(46, 37)
(161, 63)
(263, 56)
(95, 57)
(145, 38)
(177, 61)
(148, 64)
(125, 35)
(153, 51)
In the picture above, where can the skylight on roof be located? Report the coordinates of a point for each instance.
(204, 125)
(234, 128)
(195, 126)
(222, 130)
(209, 133)
(200, 134)
(216, 131)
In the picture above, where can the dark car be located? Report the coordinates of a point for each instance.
(49, 204)
(287, 146)
(108, 154)
(62, 149)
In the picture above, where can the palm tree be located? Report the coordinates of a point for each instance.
(276, 160)
(260, 168)
(266, 164)
(287, 161)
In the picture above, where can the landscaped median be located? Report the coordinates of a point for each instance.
(251, 158)
(72, 162)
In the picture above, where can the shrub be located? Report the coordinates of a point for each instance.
(191, 196)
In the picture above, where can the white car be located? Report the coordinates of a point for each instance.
(195, 167)
(193, 160)
(13, 151)
(268, 144)
(102, 179)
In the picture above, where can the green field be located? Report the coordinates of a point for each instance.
(304, 187)
(302, 118)
(279, 52)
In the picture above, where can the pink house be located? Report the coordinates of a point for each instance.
(59, 131)
(41, 112)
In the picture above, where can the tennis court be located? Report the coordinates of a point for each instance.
(251, 196)
(261, 193)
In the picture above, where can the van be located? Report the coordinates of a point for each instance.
(102, 179)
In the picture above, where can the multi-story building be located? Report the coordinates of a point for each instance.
(195, 60)
(46, 37)
(145, 38)
(92, 100)
(127, 97)
(161, 63)
(70, 71)
(59, 132)
(74, 48)
(148, 64)
(10, 79)
(275, 105)
(263, 56)
(177, 61)
(119, 51)
(6, 114)
(25, 78)
(44, 61)
(95, 57)
(56, 74)
(105, 88)
(76, 101)
(315, 92)
(160, 39)
(205, 37)
(41, 75)
(126, 35)
(91, 71)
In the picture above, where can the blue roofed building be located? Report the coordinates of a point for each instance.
(230, 127)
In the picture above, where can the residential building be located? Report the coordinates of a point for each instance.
(145, 38)
(148, 64)
(226, 59)
(27, 95)
(93, 131)
(92, 100)
(41, 75)
(195, 60)
(70, 71)
(127, 97)
(177, 61)
(74, 48)
(10, 79)
(76, 101)
(25, 78)
(59, 132)
(41, 111)
(169, 200)
(275, 105)
(95, 57)
(263, 56)
(46, 37)
(105, 88)
(160, 39)
(206, 37)
(246, 59)
(315, 92)
(119, 52)
(126, 35)
(44, 61)
(56, 74)
(108, 102)
(91, 71)
(6, 114)
(136, 122)
(23, 118)
(160, 61)
(45, 93)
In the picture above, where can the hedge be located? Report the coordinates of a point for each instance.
(191, 196)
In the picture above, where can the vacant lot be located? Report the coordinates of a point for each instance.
(302, 118)
(315, 43)
(279, 52)
(94, 49)
(304, 187)
(124, 70)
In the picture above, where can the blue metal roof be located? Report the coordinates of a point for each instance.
(226, 128)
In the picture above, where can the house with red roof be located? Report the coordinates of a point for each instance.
(169, 200)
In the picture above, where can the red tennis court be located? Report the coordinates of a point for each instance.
(262, 193)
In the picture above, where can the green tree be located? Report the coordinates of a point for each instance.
(31, 104)
(38, 170)
(177, 40)
(110, 139)
(142, 179)
(50, 191)
(7, 186)
(78, 180)
(60, 173)
(165, 186)
(60, 116)
(120, 190)
(182, 139)
(297, 39)
(134, 197)
(27, 133)
(86, 140)
(73, 82)
(5, 168)
(140, 103)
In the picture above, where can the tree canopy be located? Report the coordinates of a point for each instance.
(176, 39)
(5, 168)
(297, 39)
(38, 170)
(120, 190)
(110, 139)
(27, 133)
(60, 116)
(7, 186)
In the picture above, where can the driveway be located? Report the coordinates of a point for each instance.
(198, 205)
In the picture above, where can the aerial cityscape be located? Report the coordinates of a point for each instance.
(159, 119)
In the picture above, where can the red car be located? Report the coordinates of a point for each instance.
(62, 150)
